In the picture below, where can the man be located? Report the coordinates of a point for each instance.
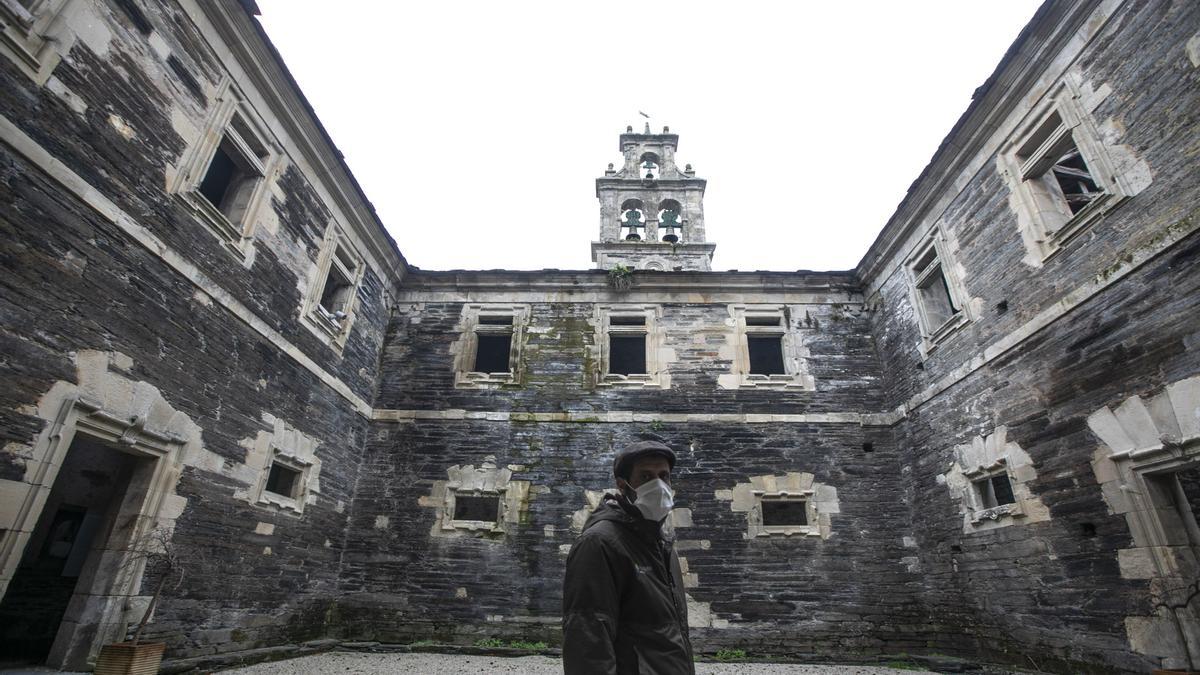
(624, 610)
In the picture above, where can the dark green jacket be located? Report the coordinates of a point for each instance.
(624, 610)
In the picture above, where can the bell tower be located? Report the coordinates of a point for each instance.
(651, 211)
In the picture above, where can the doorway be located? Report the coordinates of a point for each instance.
(58, 570)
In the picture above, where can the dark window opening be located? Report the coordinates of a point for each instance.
(627, 354)
(283, 480)
(486, 509)
(223, 173)
(868, 447)
(766, 355)
(1088, 529)
(784, 513)
(995, 491)
(135, 14)
(492, 353)
(1075, 180)
(495, 320)
(335, 297)
(762, 320)
(627, 321)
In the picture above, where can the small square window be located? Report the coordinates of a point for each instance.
(283, 480)
(784, 513)
(492, 353)
(482, 509)
(627, 354)
(994, 491)
(766, 355)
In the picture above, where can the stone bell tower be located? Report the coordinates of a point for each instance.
(651, 211)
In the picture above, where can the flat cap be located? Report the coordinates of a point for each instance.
(626, 456)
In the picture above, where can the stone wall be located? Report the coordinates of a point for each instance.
(1109, 315)
(116, 296)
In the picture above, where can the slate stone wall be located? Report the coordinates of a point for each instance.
(75, 281)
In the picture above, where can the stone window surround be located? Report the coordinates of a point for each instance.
(982, 458)
(230, 105)
(1044, 219)
(324, 325)
(35, 38)
(1143, 444)
(821, 503)
(931, 336)
(655, 376)
(449, 522)
(302, 466)
(467, 344)
(794, 353)
(488, 479)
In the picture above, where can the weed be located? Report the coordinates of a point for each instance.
(490, 643)
(730, 655)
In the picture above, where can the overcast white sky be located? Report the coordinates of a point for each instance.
(478, 128)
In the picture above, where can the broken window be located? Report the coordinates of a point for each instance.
(283, 480)
(483, 509)
(994, 491)
(1061, 173)
(492, 352)
(784, 513)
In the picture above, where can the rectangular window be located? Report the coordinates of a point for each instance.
(483, 509)
(331, 303)
(1051, 160)
(488, 351)
(784, 513)
(492, 352)
(934, 294)
(627, 354)
(766, 355)
(283, 480)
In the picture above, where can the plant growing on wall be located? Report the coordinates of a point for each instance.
(620, 278)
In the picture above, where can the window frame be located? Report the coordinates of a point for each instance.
(34, 38)
(792, 349)
(757, 528)
(655, 376)
(465, 349)
(919, 274)
(230, 122)
(320, 321)
(450, 521)
(292, 462)
(975, 497)
(1044, 216)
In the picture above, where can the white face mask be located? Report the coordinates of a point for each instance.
(655, 499)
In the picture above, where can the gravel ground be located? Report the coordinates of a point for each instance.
(436, 664)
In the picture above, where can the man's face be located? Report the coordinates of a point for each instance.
(646, 469)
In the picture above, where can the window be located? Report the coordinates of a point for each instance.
(476, 508)
(784, 512)
(488, 351)
(628, 342)
(224, 177)
(935, 295)
(331, 305)
(994, 491)
(768, 353)
(1062, 174)
(283, 480)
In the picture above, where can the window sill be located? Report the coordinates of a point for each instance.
(793, 381)
(217, 224)
(281, 503)
(943, 332)
(476, 380)
(329, 331)
(474, 526)
(775, 531)
(996, 513)
(630, 381)
(1053, 241)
